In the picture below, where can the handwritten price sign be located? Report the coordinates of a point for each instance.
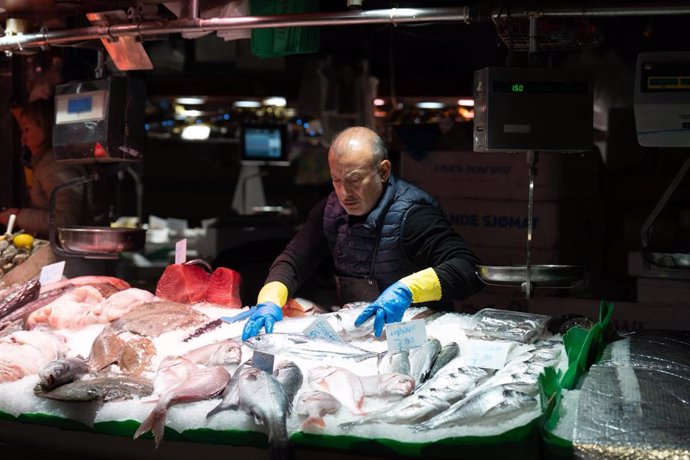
(320, 329)
(410, 334)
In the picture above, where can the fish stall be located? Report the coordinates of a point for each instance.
(107, 363)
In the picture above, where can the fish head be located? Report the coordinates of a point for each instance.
(397, 384)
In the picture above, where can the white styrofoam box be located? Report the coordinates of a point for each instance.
(664, 291)
(503, 175)
(576, 223)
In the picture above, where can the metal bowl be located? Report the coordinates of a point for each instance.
(546, 275)
(101, 240)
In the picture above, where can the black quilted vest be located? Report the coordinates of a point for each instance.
(360, 244)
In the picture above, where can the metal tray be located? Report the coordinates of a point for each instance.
(540, 275)
(101, 240)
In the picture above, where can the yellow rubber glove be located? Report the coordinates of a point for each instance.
(275, 292)
(424, 285)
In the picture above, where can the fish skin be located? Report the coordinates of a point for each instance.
(105, 349)
(224, 353)
(230, 395)
(98, 389)
(22, 313)
(448, 353)
(397, 361)
(301, 345)
(204, 383)
(151, 319)
(422, 360)
(19, 296)
(341, 383)
(290, 376)
(62, 371)
(389, 386)
(314, 405)
(135, 357)
(484, 405)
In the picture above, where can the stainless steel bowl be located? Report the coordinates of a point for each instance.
(545, 275)
(101, 240)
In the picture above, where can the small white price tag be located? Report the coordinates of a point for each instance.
(320, 329)
(51, 273)
(486, 354)
(263, 361)
(181, 251)
(410, 334)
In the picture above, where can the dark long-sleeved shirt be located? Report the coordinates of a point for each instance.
(428, 240)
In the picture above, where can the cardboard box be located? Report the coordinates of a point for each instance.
(653, 290)
(574, 223)
(503, 176)
(627, 316)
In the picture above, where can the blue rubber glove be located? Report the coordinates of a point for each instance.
(389, 307)
(265, 315)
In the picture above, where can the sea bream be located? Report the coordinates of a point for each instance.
(224, 353)
(485, 406)
(314, 405)
(305, 347)
(422, 360)
(62, 371)
(290, 376)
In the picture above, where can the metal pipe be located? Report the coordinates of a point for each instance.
(193, 9)
(393, 16)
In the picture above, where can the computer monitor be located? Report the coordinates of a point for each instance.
(265, 144)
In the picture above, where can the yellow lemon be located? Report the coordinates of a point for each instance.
(23, 241)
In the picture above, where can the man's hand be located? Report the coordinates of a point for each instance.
(265, 315)
(388, 308)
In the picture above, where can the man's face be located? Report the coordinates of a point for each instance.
(358, 182)
(33, 135)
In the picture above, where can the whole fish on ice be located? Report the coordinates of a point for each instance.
(306, 347)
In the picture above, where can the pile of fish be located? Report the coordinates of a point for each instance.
(164, 355)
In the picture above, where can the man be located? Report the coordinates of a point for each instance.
(383, 234)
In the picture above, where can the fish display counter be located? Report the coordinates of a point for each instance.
(92, 356)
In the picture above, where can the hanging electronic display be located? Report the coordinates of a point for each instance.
(99, 120)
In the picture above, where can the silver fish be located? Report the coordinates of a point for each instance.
(482, 406)
(397, 361)
(98, 389)
(62, 371)
(432, 398)
(301, 345)
(261, 395)
(422, 359)
(290, 376)
(389, 386)
(230, 395)
(446, 355)
(224, 353)
(314, 405)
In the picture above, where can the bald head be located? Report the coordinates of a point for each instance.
(359, 169)
(361, 141)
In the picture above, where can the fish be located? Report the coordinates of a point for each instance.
(19, 315)
(25, 353)
(105, 349)
(62, 371)
(223, 288)
(343, 320)
(224, 353)
(298, 307)
(389, 386)
(397, 361)
(152, 319)
(202, 383)
(230, 395)
(341, 383)
(446, 355)
(428, 400)
(306, 347)
(483, 406)
(183, 283)
(422, 360)
(19, 296)
(290, 376)
(262, 396)
(98, 389)
(135, 356)
(314, 405)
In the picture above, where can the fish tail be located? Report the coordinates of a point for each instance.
(215, 410)
(279, 449)
(155, 423)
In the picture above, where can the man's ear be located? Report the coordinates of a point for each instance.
(17, 113)
(385, 170)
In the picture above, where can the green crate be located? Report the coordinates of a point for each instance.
(283, 41)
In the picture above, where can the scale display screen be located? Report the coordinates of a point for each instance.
(80, 107)
(665, 77)
(540, 87)
(265, 144)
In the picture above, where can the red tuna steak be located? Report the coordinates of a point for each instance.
(183, 283)
(224, 288)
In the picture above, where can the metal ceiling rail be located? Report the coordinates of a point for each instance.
(394, 16)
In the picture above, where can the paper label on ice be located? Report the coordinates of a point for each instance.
(320, 329)
(486, 354)
(181, 251)
(410, 334)
(51, 273)
(263, 361)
